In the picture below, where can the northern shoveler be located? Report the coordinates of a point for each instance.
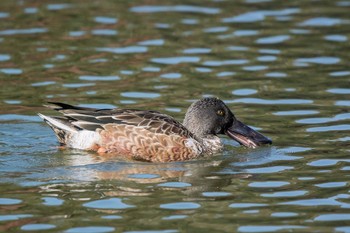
(150, 135)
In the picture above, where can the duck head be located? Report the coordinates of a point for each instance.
(210, 116)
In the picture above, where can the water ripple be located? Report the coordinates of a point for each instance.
(52, 201)
(91, 229)
(78, 85)
(246, 91)
(270, 51)
(10, 32)
(255, 68)
(154, 42)
(37, 227)
(31, 10)
(14, 217)
(271, 102)
(321, 22)
(124, 50)
(180, 206)
(11, 71)
(245, 32)
(284, 214)
(295, 193)
(151, 69)
(300, 31)
(337, 38)
(267, 58)
(226, 62)
(153, 231)
(175, 184)
(225, 73)
(111, 203)
(329, 128)
(5, 57)
(77, 33)
(327, 162)
(295, 113)
(257, 1)
(127, 72)
(340, 73)
(197, 51)
(239, 33)
(175, 60)
(9, 201)
(215, 29)
(317, 60)
(58, 6)
(216, 194)
(203, 69)
(17, 117)
(112, 217)
(162, 25)
(237, 48)
(99, 78)
(105, 20)
(339, 117)
(12, 101)
(331, 184)
(332, 217)
(171, 75)
(268, 228)
(105, 32)
(4, 15)
(343, 3)
(343, 229)
(317, 202)
(342, 103)
(276, 75)
(271, 169)
(339, 90)
(190, 21)
(175, 217)
(143, 176)
(343, 139)
(273, 39)
(246, 205)
(256, 16)
(176, 8)
(268, 184)
(147, 95)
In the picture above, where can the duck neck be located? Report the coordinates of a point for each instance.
(209, 142)
(194, 127)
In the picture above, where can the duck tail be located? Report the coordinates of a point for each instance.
(63, 129)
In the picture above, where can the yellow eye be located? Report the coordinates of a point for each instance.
(220, 112)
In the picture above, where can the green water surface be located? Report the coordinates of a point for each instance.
(281, 66)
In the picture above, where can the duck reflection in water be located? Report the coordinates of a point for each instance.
(209, 174)
(149, 135)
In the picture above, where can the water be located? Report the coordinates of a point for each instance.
(281, 66)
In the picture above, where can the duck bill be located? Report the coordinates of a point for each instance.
(246, 136)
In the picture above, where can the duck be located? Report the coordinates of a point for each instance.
(148, 135)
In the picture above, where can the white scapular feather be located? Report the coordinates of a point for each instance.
(80, 139)
(57, 123)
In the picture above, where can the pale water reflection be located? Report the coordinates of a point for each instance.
(282, 67)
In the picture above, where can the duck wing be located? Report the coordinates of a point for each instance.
(92, 119)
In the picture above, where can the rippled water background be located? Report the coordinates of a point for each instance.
(281, 66)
